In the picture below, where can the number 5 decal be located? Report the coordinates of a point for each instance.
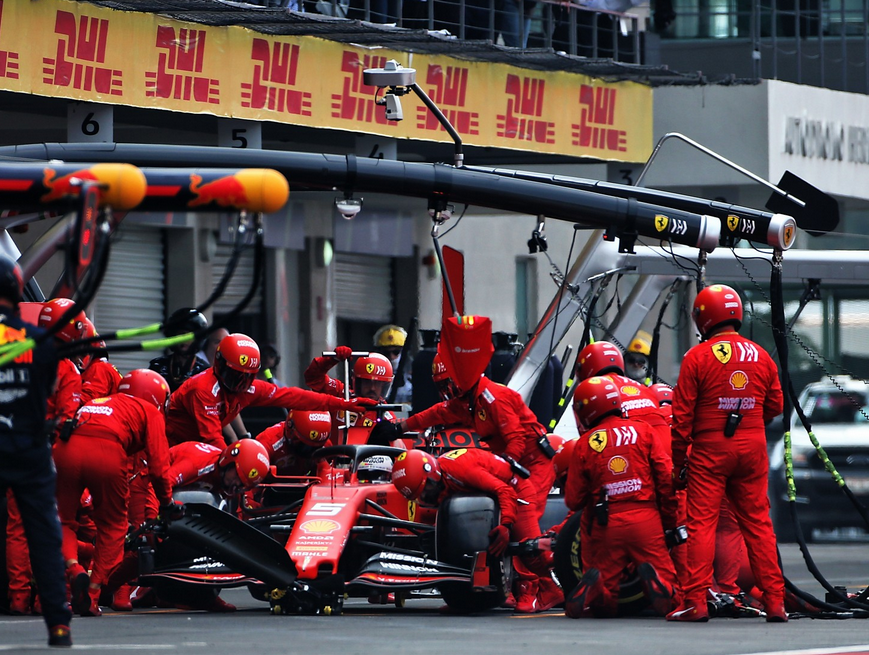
(325, 509)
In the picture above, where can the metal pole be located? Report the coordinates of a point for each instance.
(440, 256)
(714, 155)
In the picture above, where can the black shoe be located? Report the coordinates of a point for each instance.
(582, 595)
(59, 636)
(660, 597)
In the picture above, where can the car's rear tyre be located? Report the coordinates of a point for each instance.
(567, 564)
(463, 526)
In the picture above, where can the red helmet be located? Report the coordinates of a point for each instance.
(555, 441)
(716, 306)
(594, 399)
(664, 393)
(373, 367)
(53, 310)
(312, 428)
(412, 470)
(146, 384)
(443, 382)
(251, 461)
(561, 461)
(236, 362)
(599, 358)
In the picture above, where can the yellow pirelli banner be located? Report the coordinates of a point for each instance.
(83, 52)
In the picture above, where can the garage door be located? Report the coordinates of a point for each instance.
(239, 283)
(132, 292)
(363, 287)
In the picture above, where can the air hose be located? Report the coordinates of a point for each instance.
(780, 329)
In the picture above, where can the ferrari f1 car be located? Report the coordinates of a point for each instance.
(345, 532)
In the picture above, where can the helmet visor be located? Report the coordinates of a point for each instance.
(431, 491)
(232, 380)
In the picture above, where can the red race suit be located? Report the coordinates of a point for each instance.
(96, 457)
(728, 373)
(318, 379)
(469, 470)
(99, 379)
(506, 425)
(623, 460)
(200, 408)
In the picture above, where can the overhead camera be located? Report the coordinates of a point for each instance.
(348, 207)
(393, 107)
(392, 74)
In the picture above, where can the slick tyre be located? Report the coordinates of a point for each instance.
(463, 526)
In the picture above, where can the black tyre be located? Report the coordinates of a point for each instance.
(182, 593)
(463, 527)
(568, 569)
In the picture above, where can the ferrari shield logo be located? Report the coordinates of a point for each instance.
(789, 235)
(481, 414)
(597, 441)
(661, 222)
(732, 222)
(243, 359)
(722, 351)
(369, 368)
(411, 510)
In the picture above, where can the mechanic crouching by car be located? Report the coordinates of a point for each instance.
(107, 431)
(497, 414)
(620, 477)
(208, 402)
(223, 471)
(728, 389)
(421, 476)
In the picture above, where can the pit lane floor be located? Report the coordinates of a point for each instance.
(420, 629)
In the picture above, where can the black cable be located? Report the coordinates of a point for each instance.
(560, 296)
(458, 220)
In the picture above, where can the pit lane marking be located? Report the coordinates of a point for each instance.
(539, 615)
(839, 650)
(111, 647)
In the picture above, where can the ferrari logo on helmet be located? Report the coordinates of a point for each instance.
(481, 414)
(617, 465)
(243, 360)
(369, 368)
(722, 351)
(401, 457)
(253, 474)
(367, 423)
(661, 222)
(732, 222)
(597, 441)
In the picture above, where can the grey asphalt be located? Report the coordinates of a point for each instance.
(420, 628)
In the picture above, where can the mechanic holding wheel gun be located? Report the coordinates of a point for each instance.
(208, 402)
(106, 432)
(420, 475)
(504, 423)
(620, 477)
(728, 389)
